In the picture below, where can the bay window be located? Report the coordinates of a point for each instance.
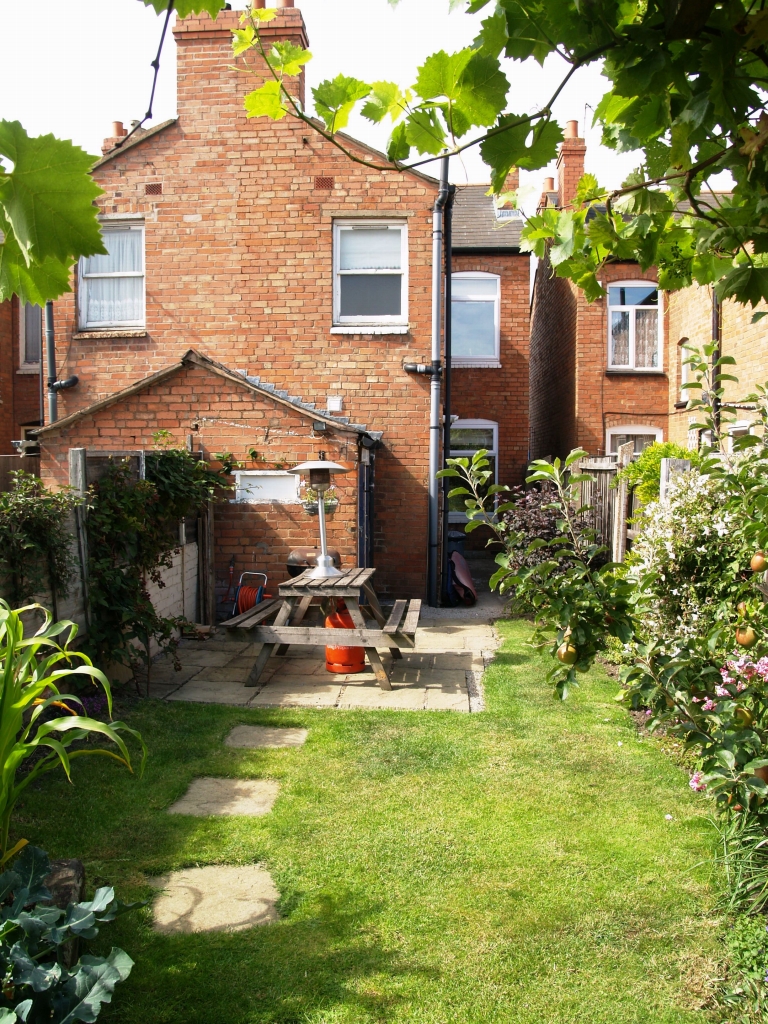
(111, 292)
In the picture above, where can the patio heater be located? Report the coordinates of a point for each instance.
(320, 480)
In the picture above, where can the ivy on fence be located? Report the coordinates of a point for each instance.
(35, 541)
(133, 532)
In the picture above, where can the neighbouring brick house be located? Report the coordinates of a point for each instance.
(262, 293)
(598, 370)
(20, 348)
(695, 319)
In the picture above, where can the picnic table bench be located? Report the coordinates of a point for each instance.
(290, 608)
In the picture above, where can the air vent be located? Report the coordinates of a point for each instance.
(323, 183)
(154, 188)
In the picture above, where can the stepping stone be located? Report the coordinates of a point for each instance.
(252, 736)
(205, 797)
(216, 898)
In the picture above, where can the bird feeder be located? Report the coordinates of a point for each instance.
(319, 473)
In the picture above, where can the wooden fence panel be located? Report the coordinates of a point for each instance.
(11, 463)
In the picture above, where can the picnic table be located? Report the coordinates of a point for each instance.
(290, 608)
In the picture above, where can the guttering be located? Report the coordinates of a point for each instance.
(434, 381)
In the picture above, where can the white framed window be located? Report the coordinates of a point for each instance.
(30, 337)
(267, 486)
(685, 370)
(475, 319)
(641, 434)
(468, 437)
(370, 273)
(634, 326)
(111, 292)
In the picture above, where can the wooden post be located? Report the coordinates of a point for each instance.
(669, 470)
(78, 481)
(619, 545)
(206, 567)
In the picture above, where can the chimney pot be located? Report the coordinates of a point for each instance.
(549, 184)
(571, 129)
(259, 4)
(283, 3)
(117, 130)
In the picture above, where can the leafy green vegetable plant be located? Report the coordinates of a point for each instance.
(36, 986)
(32, 669)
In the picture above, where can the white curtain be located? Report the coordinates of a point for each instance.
(646, 337)
(116, 300)
(125, 253)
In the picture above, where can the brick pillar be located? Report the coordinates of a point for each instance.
(570, 164)
(205, 81)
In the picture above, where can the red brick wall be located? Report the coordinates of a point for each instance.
(554, 313)
(501, 394)
(239, 267)
(222, 416)
(19, 392)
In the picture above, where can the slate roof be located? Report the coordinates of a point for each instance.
(255, 384)
(476, 226)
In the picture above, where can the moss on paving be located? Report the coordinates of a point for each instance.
(514, 866)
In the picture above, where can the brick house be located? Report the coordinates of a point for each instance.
(695, 319)
(21, 333)
(598, 371)
(262, 294)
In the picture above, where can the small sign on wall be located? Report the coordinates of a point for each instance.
(267, 486)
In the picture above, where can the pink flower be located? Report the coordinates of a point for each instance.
(696, 700)
(721, 691)
(740, 687)
(697, 784)
(648, 712)
(708, 705)
(762, 668)
(726, 677)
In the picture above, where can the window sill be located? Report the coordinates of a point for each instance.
(371, 329)
(109, 332)
(471, 364)
(625, 371)
(27, 371)
(681, 405)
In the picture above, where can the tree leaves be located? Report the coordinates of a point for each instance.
(186, 7)
(334, 100)
(47, 197)
(441, 74)
(519, 145)
(287, 58)
(266, 101)
(386, 98)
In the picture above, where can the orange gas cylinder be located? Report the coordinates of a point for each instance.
(343, 659)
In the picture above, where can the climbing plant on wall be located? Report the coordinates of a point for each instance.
(133, 531)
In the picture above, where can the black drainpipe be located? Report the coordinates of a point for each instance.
(447, 482)
(54, 385)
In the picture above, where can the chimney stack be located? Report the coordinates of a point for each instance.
(118, 132)
(570, 164)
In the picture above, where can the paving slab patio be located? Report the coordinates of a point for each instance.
(213, 899)
(206, 796)
(441, 673)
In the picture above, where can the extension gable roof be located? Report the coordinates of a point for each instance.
(254, 384)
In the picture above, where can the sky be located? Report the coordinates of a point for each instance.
(72, 67)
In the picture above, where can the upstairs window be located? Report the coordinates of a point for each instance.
(633, 326)
(112, 286)
(370, 273)
(30, 336)
(475, 319)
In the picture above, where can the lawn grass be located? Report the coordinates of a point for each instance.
(513, 866)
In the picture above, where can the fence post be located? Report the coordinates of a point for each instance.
(619, 545)
(206, 567)
(78, 481)
(669, 470)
